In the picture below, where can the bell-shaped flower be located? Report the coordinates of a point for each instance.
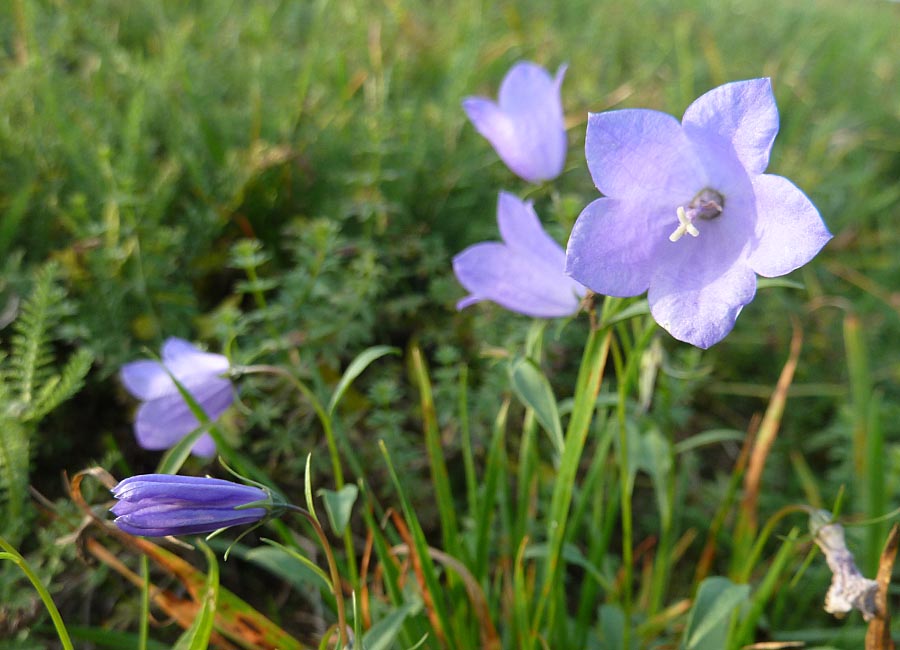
(688, 214)
(165, 417)
(525, 273)
(156, 505)
(526, 125)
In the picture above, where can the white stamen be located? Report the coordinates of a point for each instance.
(684, 226)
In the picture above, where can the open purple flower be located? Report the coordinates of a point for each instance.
(165, 417)
(703, 178)
(525, 273)
(156, 505)
(525, 126)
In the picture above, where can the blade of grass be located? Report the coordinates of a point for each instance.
(198, 636)
(11, 554)
(747, 524)
(466, 440)
(867, 440)
(494, 467)
(443, 494)
(764, 591)
(420, 545)
(587, 387)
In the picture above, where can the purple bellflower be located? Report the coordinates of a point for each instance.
(164, 418)
(156, 505)
(525, 273)
(702, 178)
(526, 125)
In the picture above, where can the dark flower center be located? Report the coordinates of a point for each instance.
(708, 204)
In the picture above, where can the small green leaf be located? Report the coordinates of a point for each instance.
(197, 636)
(710, 437)
(382, 634)
(768, 283)
(572, 555)
(653, 454)
(176, 456)
(612, 627)
(709, 621)
(355, 369)
(533, 388)
(339, 506)
(288, 563)
(639, 308)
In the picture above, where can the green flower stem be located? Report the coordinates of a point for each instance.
(627, 366)
(587, 387)
(327, 426)
(332, 568)
(321, 413)
(144, 629)
(13, 555)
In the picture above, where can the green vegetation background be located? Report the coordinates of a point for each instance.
(141, 140)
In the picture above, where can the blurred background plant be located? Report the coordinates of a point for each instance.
(287, 182)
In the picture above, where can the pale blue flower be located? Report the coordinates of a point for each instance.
(164, 418)
(525, 273)
(702, 178)
(526, 125)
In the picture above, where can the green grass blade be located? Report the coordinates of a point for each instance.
(587, 387)
(10, 553)
(493, 471)
(443, 494)
(198, 635)
(421, 547)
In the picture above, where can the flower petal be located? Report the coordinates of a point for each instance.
(491, 122)
(146, 379)
(516, 281)
(613, 246)
(194, 489)
(743, 113)
(187, 362)
(699, 288)
(526, 85)
(162, 422)
(644, 152)
(789, 230)
(174, 519)
(521, 229)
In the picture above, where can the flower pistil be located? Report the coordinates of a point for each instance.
(708, 204)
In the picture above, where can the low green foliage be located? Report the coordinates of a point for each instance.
(287, 182)
(31, 386)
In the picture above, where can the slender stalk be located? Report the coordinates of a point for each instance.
(13, 555)
(466, 439)
(144, 628)
(328, 428)
(318, 407)
(587, 387)
(627, 368)
(332, 568)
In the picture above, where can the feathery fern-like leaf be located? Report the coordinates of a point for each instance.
(31, 355)
(61, 387)
(13, 474)
(30, 387)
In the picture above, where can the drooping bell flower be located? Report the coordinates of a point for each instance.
(525, 273)
(526, 125)
(164, 417)
(688, 213)
(156, 505)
